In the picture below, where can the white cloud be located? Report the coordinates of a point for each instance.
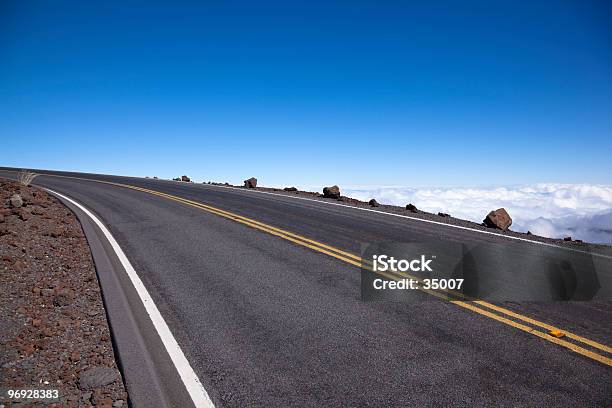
(582, 211)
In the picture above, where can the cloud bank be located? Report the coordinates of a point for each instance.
(582, 211)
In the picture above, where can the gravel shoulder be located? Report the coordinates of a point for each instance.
(54, 332)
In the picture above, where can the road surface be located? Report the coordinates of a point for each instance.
(266, 321)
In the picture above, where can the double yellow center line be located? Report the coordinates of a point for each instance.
(598, 351)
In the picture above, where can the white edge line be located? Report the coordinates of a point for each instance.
(190, 379)
(419, 219)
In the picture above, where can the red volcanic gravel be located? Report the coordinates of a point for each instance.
(53, 330)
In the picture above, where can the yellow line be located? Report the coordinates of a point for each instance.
(545, 326)
(356, 261)
(563, 343)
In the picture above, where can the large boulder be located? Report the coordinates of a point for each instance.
(499, 219)
(250, 183)
(185, 178)
(331, 192)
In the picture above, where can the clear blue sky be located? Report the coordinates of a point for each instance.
(378, 93)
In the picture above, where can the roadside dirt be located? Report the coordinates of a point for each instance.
(53, 330)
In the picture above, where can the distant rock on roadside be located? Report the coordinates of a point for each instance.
(331, 192)
(412, 208)
(185, 178)
(290, 189)
(250, 183)
(373, 203)
(499, 219)
(445, 215)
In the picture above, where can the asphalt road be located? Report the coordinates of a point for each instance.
(266, 322)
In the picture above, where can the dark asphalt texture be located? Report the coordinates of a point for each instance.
(268, 323)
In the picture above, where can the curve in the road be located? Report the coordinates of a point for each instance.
(503, 315)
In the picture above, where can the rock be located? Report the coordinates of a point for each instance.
(499, 219)
(105, 403)
(23, 214)
(529, 233)
(412, 208)
(96, 377)
(63, 297)
(290, 189)
(445, 215)
(373, 203)
(331, 192)
(1, 218)
(250, 183)
(176, 179)
(155, 177)
(16, 201)
(185, 178)
(47, 292)
(567, 238)
(118, 403)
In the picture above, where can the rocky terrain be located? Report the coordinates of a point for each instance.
(53, 331)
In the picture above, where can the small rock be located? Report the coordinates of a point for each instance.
(87, 396)
(412, 208)
(185, 178)
(578, 240)
(16, 201)
(499, 219)
(47, 292)
(290, 189)
(96, 377)
(19, 265)
(1, 218)
(105, 403)
(567, 238)
(28, 348)
(75, 356)
(36, 322)
(373, 203)
(250, 183)
(529, 233)
(24, 215)
(118, 403)
(48, 331)
(331, 192)
(445, 215)
(63, 297)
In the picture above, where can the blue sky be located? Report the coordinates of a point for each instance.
(355, 93)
